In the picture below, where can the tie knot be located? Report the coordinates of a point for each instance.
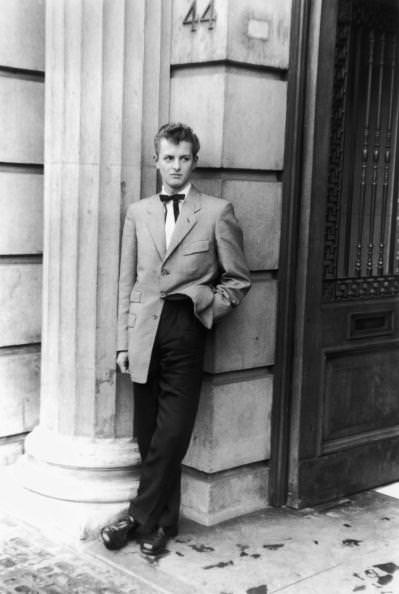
(169, 197)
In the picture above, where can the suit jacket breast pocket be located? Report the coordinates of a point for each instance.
(196, 247)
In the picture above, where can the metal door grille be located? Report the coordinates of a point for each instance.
(361, 250)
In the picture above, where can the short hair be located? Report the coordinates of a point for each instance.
(177, 132)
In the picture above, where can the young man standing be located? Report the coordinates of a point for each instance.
(182, 268)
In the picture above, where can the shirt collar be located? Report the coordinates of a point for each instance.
(184, 191)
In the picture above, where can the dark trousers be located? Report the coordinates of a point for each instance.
(165, 410)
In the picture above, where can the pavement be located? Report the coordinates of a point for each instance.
(351, 545)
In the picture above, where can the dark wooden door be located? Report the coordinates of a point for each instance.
(348, 406)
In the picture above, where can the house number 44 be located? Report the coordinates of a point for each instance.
(208, 16)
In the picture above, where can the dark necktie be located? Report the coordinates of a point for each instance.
(165, 198)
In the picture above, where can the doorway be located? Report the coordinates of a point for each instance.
(342, 398)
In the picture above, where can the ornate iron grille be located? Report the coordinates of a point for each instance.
(361, 250)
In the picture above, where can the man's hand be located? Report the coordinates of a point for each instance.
(122, 360)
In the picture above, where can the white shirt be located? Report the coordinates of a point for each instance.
(170, 222)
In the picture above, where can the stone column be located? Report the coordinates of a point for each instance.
(83, 450)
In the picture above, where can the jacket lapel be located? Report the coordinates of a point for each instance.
(186, 220)
(156, 224)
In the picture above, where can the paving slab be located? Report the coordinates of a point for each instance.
(348, 546)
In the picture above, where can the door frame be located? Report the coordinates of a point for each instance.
(297, 192)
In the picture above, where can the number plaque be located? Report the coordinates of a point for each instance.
(193, 19)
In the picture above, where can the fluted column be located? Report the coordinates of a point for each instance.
(83, 449)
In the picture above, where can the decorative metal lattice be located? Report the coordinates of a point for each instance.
(361, 249)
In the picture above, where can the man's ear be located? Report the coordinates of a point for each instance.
(155, 158)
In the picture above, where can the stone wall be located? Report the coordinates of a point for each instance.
(21, 227)
(221, 67)
(228, 80)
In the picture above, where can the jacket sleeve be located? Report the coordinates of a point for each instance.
(234, 281)
(127, 277)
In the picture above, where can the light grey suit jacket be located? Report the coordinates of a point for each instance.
(204, 261)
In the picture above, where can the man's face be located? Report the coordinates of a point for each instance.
(175, 163)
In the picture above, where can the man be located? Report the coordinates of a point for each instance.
(182, 268)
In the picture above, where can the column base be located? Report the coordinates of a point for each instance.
(65, 521)
(79, 469)
(81, 485)
(72, 485)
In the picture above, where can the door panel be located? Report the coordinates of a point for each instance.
(332, 476)
(360, 396)
(349, 395)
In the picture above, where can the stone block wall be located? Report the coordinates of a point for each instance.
(228, 81)
(220, 66)
(21, 224)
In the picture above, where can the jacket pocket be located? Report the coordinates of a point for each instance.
(195, 247)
